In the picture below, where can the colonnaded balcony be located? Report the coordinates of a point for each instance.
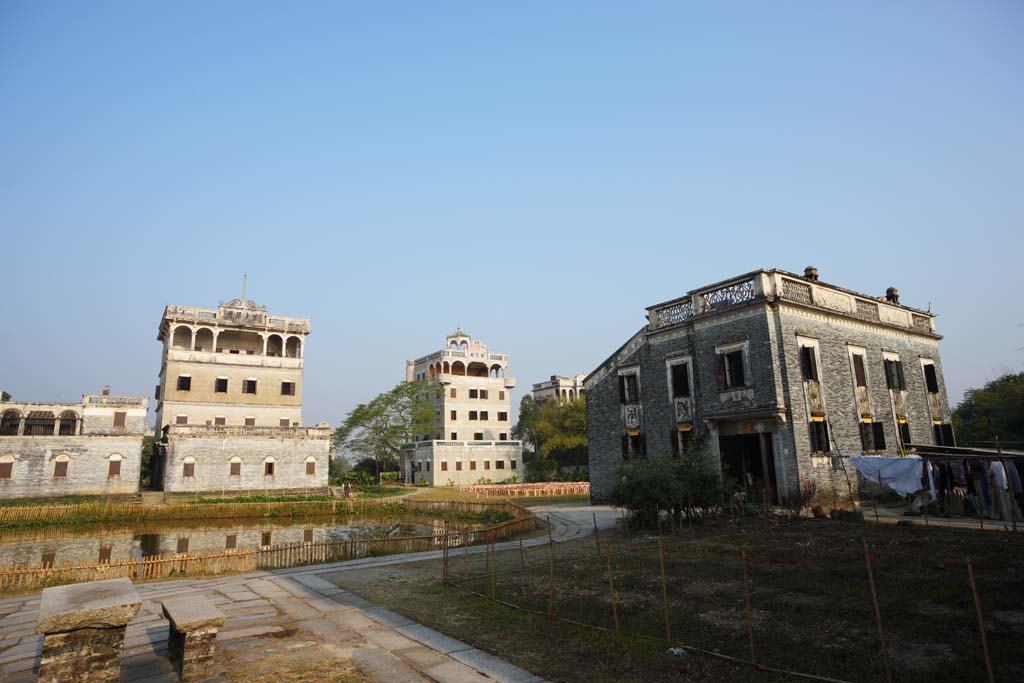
(206, 431)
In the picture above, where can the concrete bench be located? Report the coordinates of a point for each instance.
(83, 627)
(192, 641)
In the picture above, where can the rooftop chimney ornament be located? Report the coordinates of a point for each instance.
(811, 273)
(892, 295)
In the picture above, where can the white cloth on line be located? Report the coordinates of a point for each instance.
(1000, 474)
(902, 475)
(931, 481)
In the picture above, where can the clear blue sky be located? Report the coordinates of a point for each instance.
(535, 172)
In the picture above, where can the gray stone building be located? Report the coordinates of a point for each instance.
(559, 388)
(229, 403)
(773, 374)
(91, 448)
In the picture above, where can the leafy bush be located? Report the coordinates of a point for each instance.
(645, 487)
(388, 476)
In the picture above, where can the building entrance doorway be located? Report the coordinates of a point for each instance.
(745, 459)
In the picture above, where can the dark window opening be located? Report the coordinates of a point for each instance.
(499, 464)
(120, 420)
(235, 469)
(454, 436)
(512, 464)
(894, 378)
(872, 436)
(219, 421)
(220, 385)
(472, 415)
(249, 386)
(287, 388)
(472, 465)
(181, 420)
(105, 551)
(183, 544)
(231, 541)
(48, 559)
(808, 364)
(860, 376)
(250, 422)
(680, 381)
(483, 414)
(60, 469)
(265, 539)
(184, 383)
(905, 432)
(478, 436)
(6, 470)
(188, 469)
(628, 392)
(114, 469)
(634, 446)
(819, 437)
(931, 379)
(307, 535)
(503, 437)
(483, 393)
(310, 468)
(473, 393)
(268, 469)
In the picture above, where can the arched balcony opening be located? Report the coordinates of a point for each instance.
(275, 346)
(572, 394)
(430, 372)
(464, 345)
(182, 337)
(293, 348)
(476, 369)
(458, 369)
(9, 423)
(68, 423)
(453, 346)
(446, 368)
(204, 339)
(241, 342)
(565, 394)
(497, 372)
(40, 423)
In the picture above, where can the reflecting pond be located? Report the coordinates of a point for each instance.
(101, 543)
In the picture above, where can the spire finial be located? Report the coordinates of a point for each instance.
(245, 277)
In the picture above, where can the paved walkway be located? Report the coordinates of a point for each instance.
(294, 611)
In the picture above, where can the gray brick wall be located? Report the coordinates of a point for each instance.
(213, 456)
(34, 458)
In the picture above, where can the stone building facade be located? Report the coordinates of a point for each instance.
(91, 448)
(770, 372)
(559, 388)
(474, 418)
(229, 403)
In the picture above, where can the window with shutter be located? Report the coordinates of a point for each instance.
(235, 469)
(230, 541)
(6, 470)
(283, 422)
(188, 470)
(867, 437)
(901, 381)
(452, 393)
(444, 466)
(478, 436)
(182, 545)
(501, 395)
(249, 386)
(808, 363)
(184, 383)
(878, 433)
(268, 469)
(484, 414)
(720, 370)
(937, 434)
(287, 388)
(632, 390)
(307, 535)
(458, 465)
(483, 393)
(181, 419)
(947, 435)
(860, 377)
(931, 379)
(250, 422)
(114, 469)
(473, 393)
(680, 381)
(472, 415)
(674, 437)
(120, 419)
(819, 437)
(310, 468)
(220, 385)
(60, 469)
(220, 420)
(472, 465)
(48, 559)
(905, 432)
(105, 551)
(625, 447)
(735, 369)
(499, 464)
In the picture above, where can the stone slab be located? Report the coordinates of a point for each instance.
(385, 616)
(384, 666)
(432, 639)
(495, 667)
(456, 672)
(235, 634)
(190, 613)
(96, 604)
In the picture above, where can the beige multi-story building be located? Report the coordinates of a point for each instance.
(89, 448)
(559, 388)
(233, 365)
(229, 402)
(474, 424)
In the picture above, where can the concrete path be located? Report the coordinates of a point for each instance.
(293, 611)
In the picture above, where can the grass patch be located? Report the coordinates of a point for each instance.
(381, 491)
(811, 606)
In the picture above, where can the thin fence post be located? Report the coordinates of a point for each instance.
(746, 601)
(611, 588)
(664, 594)
(625, 522)
(465, 558)
(551, 577)
(878, 613)
(874, 499)
(522, 557)
(981, 622)
(492, 569)
(444, 572)
(597, 537)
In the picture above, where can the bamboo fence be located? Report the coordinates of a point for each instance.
(542, 489)
(16, 577)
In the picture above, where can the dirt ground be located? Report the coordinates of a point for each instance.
(811, 606)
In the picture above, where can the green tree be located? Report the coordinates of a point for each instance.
(995, 410)
(561, 429)
(525, 429)
(379, 429)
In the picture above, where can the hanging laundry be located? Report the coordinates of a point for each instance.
(931, 481)
(902, 475)
(999, 474)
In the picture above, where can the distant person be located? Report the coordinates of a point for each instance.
(346, 490)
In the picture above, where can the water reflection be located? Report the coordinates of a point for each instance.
(112, 543)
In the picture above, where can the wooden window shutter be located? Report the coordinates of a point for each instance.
(625, 447)
(808, 365)
(235, 469)
(183, 544)
(889, 376)
(6, 470)
(310, 468)
(812, 432)
(114, 469)
(105, 551)
(858, 370)
(905, 433)
(867, 441)
(878, 430)
(937, 434)
(720, 370)
(120, 419)
(674, 437)
(901, 380)
(189, 469)
(931, 379)
(307, 535)
(250, 422)
(231, 541)
(60, 469)
(622, 388)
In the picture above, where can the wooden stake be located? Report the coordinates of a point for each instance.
(444, 566)
(611, 589)
(551, 576)
(981, 622)
(465, 559)
(597, 537)
(664, 595)
(746, 601)
(522, 558)
(878, 612)
(625, 522)
(492, 569)
(874, 499)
